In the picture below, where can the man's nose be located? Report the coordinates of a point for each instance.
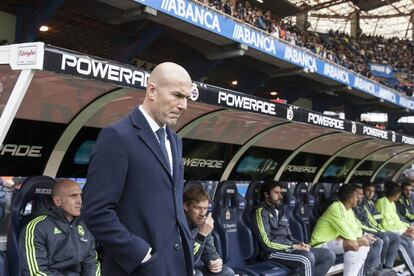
(183, 104)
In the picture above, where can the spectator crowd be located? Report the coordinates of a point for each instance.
(338, 47)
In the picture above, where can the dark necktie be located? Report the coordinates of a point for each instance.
(161, 137)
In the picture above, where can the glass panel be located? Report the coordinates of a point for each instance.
(232, 127)
(330, 144)
(58, 98)
(290, 136)
(8, 78)
(359, 151)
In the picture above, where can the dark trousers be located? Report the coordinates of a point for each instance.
(317, 261)
(389, 248)
(373, 259)
(406, 251)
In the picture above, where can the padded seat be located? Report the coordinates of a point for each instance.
(236, 238)
(24, 207)
(303, 210)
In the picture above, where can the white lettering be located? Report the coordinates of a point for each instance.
(364, 85)
(301, 58)
(98, 69)
(407, 140)
(21, 150)
(203, 163)
(379, 133)
(301, 169)
(254, 38)
(246, 103)
(194, 13)
(325, 121)
(336, 73)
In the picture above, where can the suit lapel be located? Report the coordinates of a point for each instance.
(174, 153)
(148, 137)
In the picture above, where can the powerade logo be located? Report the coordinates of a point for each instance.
(102, 70)
(301, 169)
(20, 150)
(379, 133)
(246, 103)
(192, 12)
(325, 121)
(407, 140)
(256, 39)
(203, 163)
(301, 58)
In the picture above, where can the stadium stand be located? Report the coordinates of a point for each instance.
(356, 55)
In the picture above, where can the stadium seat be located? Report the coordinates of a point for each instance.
(236, 238)
(289, 203)
(321, 195)
(25, 206)
(303, 210)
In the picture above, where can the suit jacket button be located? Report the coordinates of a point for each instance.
(177, 246)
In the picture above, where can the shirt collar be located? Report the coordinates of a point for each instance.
(154, 126)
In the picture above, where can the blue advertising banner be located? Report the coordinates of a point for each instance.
(381, 70)
(221, 24)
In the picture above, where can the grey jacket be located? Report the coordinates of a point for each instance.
(204, 248)
(51, 245)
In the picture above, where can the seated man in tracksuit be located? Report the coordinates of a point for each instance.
(271, 229)
(391, 241)
(195, 206)
(390, 221)
(58, 242)
(339, 230)
(404, 204)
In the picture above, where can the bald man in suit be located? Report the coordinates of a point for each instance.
(133, 196)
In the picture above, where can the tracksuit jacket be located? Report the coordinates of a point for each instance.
(336, 222)
(368, 223)
(51, 245)
(272, 229)
(204, 248)
(390, 219)
(405, 209)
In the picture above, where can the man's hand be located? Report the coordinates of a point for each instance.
(301, 246)
(363, 241)
(207, 226)
(371, 238)
(215, 266)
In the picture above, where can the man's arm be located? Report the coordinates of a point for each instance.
(91, 265)
(210, 251)
(33, 258)
(262, 228)
(102, 192)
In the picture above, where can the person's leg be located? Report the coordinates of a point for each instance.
(392, 250)
(406, 250)
(354, 260)
(324, 259)
(295, 259)
(197, 272)
(373, 260)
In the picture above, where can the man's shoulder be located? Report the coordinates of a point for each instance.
(38, 223)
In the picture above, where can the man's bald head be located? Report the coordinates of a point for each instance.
(168, 71)
(66, 195)
(168, 88)
(63, 185)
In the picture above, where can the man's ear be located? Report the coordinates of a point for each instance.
(151, 90)
(186, 207)
(57, 201)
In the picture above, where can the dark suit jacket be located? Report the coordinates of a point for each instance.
(131, 201)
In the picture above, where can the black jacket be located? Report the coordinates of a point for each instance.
(51, 245)
(204, 248)
(405, 209)
(272, 229)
